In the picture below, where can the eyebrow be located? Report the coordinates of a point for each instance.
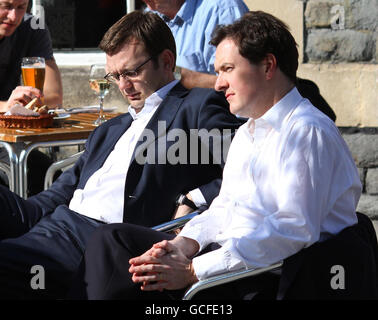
(7, 2)
(127, 69)
(224, 65)
(121, 70)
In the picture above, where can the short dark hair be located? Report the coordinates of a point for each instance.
(146, 27)
(257, 34)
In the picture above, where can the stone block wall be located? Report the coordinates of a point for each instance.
(363, 144)
(341, 31)
(343, 34)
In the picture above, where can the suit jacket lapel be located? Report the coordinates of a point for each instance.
(162, 119)
(101, 149)
(117, 131)
(112, 138)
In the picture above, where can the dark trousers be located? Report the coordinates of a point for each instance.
(104, 275)
(39, 255)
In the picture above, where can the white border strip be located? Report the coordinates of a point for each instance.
(79, 58)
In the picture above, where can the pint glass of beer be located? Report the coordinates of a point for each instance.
(33, 72)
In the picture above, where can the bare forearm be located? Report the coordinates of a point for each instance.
(53, 90)
(53, 100)
(188, 246)
(191, 79)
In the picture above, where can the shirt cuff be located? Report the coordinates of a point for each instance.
(197, 197)
(214, 263)
(196, 233)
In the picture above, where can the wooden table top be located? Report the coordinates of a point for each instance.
(77, 126)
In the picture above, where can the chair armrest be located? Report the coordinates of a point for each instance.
(59, 165)
(176, 223)
(226, 278)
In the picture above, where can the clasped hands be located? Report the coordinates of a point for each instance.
(166, 265)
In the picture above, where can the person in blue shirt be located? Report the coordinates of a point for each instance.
(192, 23)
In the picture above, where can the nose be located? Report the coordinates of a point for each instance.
(12, 14)
(124, 83)
(220, 84)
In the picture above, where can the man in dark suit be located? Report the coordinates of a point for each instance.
(133, 169)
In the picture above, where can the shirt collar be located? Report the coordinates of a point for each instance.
(276, 115)
(153, 101)
(186, 11)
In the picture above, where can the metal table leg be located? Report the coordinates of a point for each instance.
(13, 153)
(23, 157)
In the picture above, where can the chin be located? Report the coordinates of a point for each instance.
(136, 105)
(236, 110)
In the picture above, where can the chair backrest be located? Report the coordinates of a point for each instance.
(59, 165)
(6, 169)
(342, 267)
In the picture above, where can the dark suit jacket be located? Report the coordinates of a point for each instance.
(309, 274)
(151, 189)
(308, 89)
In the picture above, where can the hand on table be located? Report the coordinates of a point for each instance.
(23, 95)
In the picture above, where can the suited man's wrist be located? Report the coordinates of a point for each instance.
(186, 200)
(197, 197)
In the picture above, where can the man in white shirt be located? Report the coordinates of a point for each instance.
(134, 168)
(289, 180)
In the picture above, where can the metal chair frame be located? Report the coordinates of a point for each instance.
(58, 166)
(226, 278)
(6, 168)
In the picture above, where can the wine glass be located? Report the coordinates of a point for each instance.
(100, 86)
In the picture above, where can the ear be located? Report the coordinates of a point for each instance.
(168, 60)
(270, 64)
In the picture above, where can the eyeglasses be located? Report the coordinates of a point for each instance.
(115, 77)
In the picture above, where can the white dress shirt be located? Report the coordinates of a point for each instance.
(103, 195)
(289, 181)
